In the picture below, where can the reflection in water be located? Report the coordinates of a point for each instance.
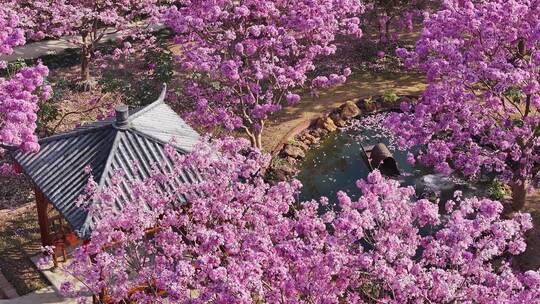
(336, 165)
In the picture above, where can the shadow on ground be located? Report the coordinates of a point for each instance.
(530, 259)
(19, 240)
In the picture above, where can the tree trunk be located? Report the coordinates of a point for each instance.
(255, 137)
(85, 64)
(519, 194)
(258, 139)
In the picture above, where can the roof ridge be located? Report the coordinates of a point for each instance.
(74, 132)
(85, 227)
(160, 141)
(149, 107)
(117, 137)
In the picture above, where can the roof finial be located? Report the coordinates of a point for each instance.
(163, 93)
(122, 115)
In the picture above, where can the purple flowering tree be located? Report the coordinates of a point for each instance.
(87, 22)
(246, 58)
(480, 111)
(11, 35)
(19, 103)
(232, 238)
(21, 91)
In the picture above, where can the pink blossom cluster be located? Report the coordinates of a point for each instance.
(19, 98)
(86, 23)
(480, 111)
(19, 93)
(11, 34)
(225, 236)
(52, 18)
(248, 57)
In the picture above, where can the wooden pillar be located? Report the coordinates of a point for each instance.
(17, 167)
(43, 217)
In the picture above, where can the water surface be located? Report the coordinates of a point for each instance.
(337, 164)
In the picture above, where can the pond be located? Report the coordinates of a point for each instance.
(336, 164)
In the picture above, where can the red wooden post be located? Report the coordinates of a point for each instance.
(43, 218)
(17, 168)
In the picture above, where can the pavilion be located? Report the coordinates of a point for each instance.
(59, 170)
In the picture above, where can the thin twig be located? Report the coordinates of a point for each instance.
(78, 112)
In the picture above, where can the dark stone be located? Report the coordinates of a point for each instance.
(370, 107)
(326, 123)
(277, 176)
(293, 151)
(286, 169)
(291, 160)
(318, 132)
(403, 99)
(309, 139)
(349, 110)
(281, 172)
(338, 120)
(301, 145)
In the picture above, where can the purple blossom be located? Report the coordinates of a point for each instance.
(19, 98)
(293, 99)
(252, 54)
(241, 240)
(479, 112)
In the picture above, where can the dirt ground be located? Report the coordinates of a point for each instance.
(530, 259)
(19, 240)
(359, 85)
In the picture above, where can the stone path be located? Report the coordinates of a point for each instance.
(50, 47)
(6, 289)
(46, 295)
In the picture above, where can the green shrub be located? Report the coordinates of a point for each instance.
(369, 100)
(49, 110)
(47, 113)
(496, 190)
(15, 66)
(390, 96)
(277, 161)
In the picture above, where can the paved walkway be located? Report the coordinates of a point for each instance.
(50, 47)
(6, 289)
(46, 295)
(49, 294)
(40, 48)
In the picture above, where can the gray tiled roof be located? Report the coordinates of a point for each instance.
(58, 169)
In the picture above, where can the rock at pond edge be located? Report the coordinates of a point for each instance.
(293, 151)
(349, 110)
(326, 123)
